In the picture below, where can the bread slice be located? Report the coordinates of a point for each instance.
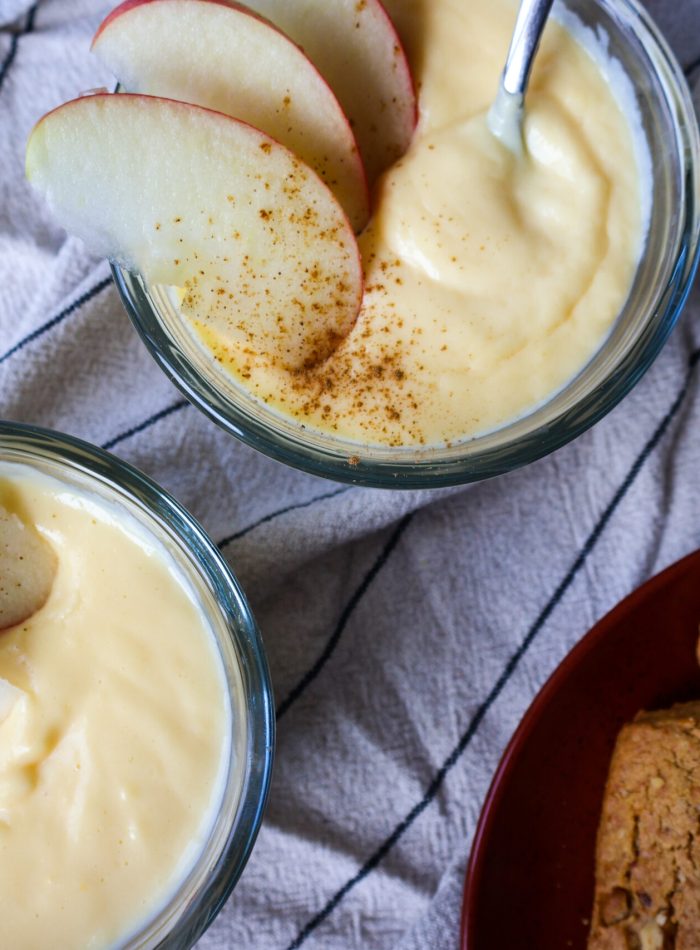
(647, 888)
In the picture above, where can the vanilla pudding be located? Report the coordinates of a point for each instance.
(115, 727)
(489, 281)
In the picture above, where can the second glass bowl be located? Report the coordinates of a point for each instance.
(200, 896)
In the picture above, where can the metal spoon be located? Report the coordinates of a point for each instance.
(506, 114)
(27, 570)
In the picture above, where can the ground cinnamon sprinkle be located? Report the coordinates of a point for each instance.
(361, 374)
(363, 378)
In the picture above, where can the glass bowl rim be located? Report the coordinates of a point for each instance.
(340, 464)
(237, 620)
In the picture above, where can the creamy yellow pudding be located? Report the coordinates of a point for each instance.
(490, 280)
(114, 728)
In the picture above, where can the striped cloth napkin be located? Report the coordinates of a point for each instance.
(407, 632)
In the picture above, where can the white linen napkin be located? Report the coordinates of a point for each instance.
(407, 632)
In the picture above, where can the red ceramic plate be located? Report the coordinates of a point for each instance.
(529, 882)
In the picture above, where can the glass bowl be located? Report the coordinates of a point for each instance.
(662, 282)
(200, 896)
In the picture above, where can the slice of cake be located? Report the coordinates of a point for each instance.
(647, 888)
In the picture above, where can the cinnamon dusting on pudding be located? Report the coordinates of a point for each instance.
(364, 376)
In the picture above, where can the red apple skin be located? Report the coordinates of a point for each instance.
(402, 64)
(361, 217)
(132, 4)
(117, 12)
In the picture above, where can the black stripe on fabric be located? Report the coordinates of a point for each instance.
(691, 67)
(7, 62)
(282, 511)
(348, 611)
(31, 15)
(146, 424)
(12, 52)
(54, 321)
(510, 667)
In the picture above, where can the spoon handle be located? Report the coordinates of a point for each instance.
(529, 25)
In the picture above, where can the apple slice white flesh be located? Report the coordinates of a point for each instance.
(197, 199)
(356, 48)
(225, 57)
(27, 569)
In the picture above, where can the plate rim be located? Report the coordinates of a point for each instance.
(533, 714)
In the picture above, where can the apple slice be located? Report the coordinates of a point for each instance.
(27, 569)
(356, 48)
(225, 57)
(197, 199)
